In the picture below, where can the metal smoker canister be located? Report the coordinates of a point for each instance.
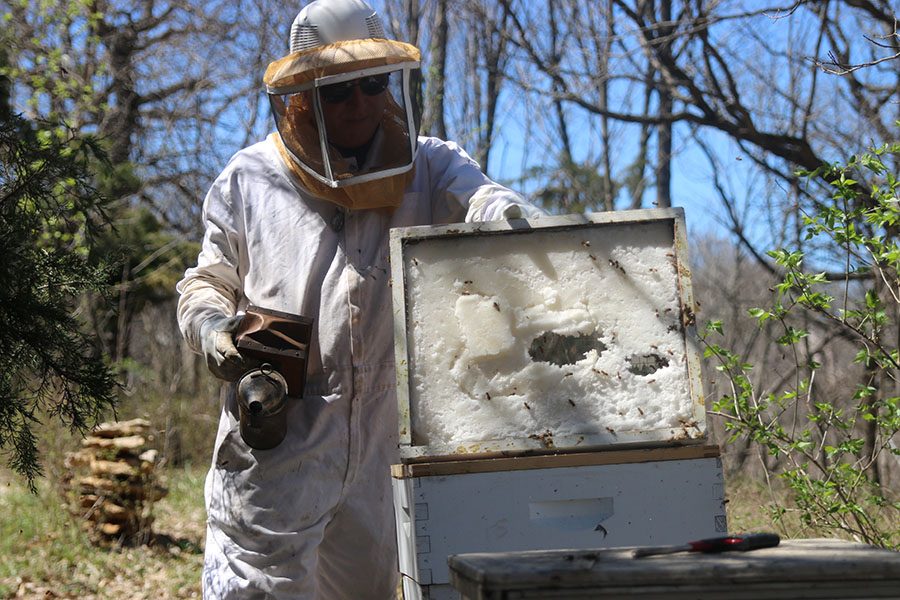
(281, 342)
(262, 396)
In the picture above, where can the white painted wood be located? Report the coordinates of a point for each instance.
(648, 503)
(405, 242)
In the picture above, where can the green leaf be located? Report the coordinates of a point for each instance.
(714, 327)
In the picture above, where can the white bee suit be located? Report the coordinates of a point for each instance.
(312, 518)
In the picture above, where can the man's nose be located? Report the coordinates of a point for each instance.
(356, 98)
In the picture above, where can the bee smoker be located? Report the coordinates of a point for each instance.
(280, 341)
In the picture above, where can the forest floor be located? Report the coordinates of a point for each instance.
(45, 554)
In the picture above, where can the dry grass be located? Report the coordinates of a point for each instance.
(751, 507)
(44, 554)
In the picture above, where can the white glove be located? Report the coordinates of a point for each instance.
(222, 356)
(493, 202)
(522, 211)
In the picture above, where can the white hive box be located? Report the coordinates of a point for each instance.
(559, 333)
(606, 499)
(549, 391)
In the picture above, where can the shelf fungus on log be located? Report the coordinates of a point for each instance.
(111, 483)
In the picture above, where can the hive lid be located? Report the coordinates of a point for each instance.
(561, 333)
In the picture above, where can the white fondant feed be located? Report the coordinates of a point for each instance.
(559, 332)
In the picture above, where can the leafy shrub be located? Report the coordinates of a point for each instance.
(835, 449)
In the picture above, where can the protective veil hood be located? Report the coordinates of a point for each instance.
(338, 53)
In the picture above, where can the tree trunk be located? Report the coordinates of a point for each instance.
(561, 122)
(433, 122)
(494, 54)
(603, 70)
(416, 83)
(121, 121)
(664, 129)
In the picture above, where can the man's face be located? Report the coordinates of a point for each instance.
(353, 110)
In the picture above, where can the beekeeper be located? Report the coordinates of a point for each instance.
(299, 223)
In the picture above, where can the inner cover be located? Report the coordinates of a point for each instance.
(551, 332)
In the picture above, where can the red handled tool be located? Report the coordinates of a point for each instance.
(728, 543)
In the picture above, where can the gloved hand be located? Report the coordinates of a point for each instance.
(521, 211)
(513, 211)
(222, 356)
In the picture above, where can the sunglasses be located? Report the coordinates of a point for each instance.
(340, 92)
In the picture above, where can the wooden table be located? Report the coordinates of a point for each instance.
(815, 568)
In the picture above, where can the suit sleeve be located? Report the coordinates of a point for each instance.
(213, 287)
(457, 182)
